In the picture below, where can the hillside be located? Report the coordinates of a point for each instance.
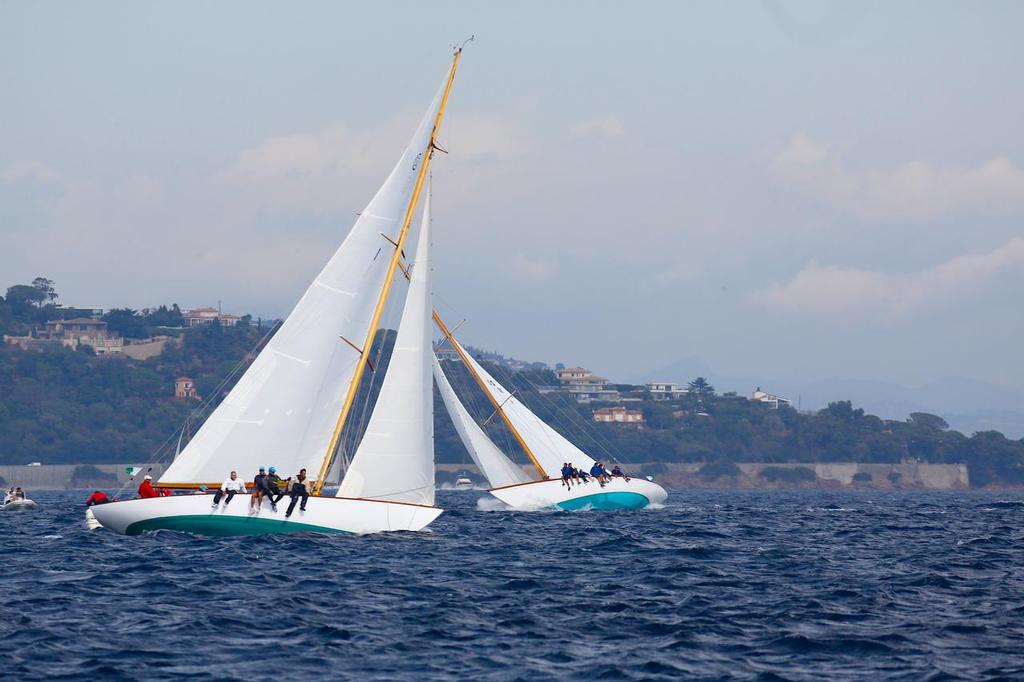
(59, 405)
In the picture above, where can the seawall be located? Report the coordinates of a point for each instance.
(59, 476)
(904, 476)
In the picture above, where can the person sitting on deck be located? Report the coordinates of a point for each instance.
(98, 497)
(616, 471)
(566, 475)
(146, 489)
(19, 494)
(257, 490)
(272, 488)
(598, 472)
(297, 489)
(579, 474)
(230, 487)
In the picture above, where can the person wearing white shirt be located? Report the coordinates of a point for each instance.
(231, 487)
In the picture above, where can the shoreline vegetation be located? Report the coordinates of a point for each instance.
(70, 406)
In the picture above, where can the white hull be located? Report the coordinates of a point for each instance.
(193, 514)
(618, 493)
(18, 505)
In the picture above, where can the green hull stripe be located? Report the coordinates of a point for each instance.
(606, 502)
(222, 526)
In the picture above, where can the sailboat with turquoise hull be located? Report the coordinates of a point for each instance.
(546, 448)
(290, 407)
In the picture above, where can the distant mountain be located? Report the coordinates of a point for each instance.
(968, 405)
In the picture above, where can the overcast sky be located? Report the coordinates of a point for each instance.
(783, 189)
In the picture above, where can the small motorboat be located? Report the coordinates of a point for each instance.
(18, 504)
(463, 483)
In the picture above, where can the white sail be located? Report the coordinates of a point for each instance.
(395, 459)
(498, 469)
(283, 410)
(549, 447)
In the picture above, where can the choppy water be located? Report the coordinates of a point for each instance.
(762, 585)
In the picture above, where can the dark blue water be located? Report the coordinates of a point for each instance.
(731, 584)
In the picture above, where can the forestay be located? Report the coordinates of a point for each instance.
(283, 410)
(395, 459)
(498, 469)
(550, 448)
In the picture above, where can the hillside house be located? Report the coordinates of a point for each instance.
(584, 385)
(84, 331)
(200, 316)
(619, 415)
(773, 401)
(665, 391)
(185, 389)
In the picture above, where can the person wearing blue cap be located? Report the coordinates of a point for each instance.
(272, 488)
(257, 490)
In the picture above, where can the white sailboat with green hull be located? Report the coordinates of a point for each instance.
(546, 448)
(291, 406)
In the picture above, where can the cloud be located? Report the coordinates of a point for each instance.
(324, 171)
(607, 127)
(530, 269)
(475, 137)
(915, 190)
(30, 170)
(840, 291)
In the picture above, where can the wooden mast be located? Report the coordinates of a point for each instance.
(498, 407)
(399, 244)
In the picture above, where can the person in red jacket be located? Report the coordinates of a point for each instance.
(98, 497)
(146, 490)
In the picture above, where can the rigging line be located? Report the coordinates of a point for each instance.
(587, 428)
(397, 492)
(573, 416)
(196, 412)
(392, 320)
(464, 385)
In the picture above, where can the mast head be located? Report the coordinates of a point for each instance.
(458, 47)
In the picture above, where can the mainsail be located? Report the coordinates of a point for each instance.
(395, 459)
(550, 448)
(284, 409)
(498, 469)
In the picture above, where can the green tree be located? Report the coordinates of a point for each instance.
(127, 322)
(46, 286)
(929, 421)
(22, 295)
(843, 411)
(701, 388)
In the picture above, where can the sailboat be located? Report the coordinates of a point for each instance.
(547, 449)
(291, 405)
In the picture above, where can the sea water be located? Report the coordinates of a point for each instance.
(718, 584)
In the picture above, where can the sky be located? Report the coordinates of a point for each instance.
(774, 191)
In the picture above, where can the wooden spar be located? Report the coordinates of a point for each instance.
(389, 278)
(497, 408)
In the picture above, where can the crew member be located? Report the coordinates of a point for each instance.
(617, 471)
(230, 487)
(272, 487)
(566, 475)
(146, 489)
(257, 489)
(297, 489)
(98, 497)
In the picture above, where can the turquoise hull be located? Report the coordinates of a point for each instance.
(607, 501)
(224, 526)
